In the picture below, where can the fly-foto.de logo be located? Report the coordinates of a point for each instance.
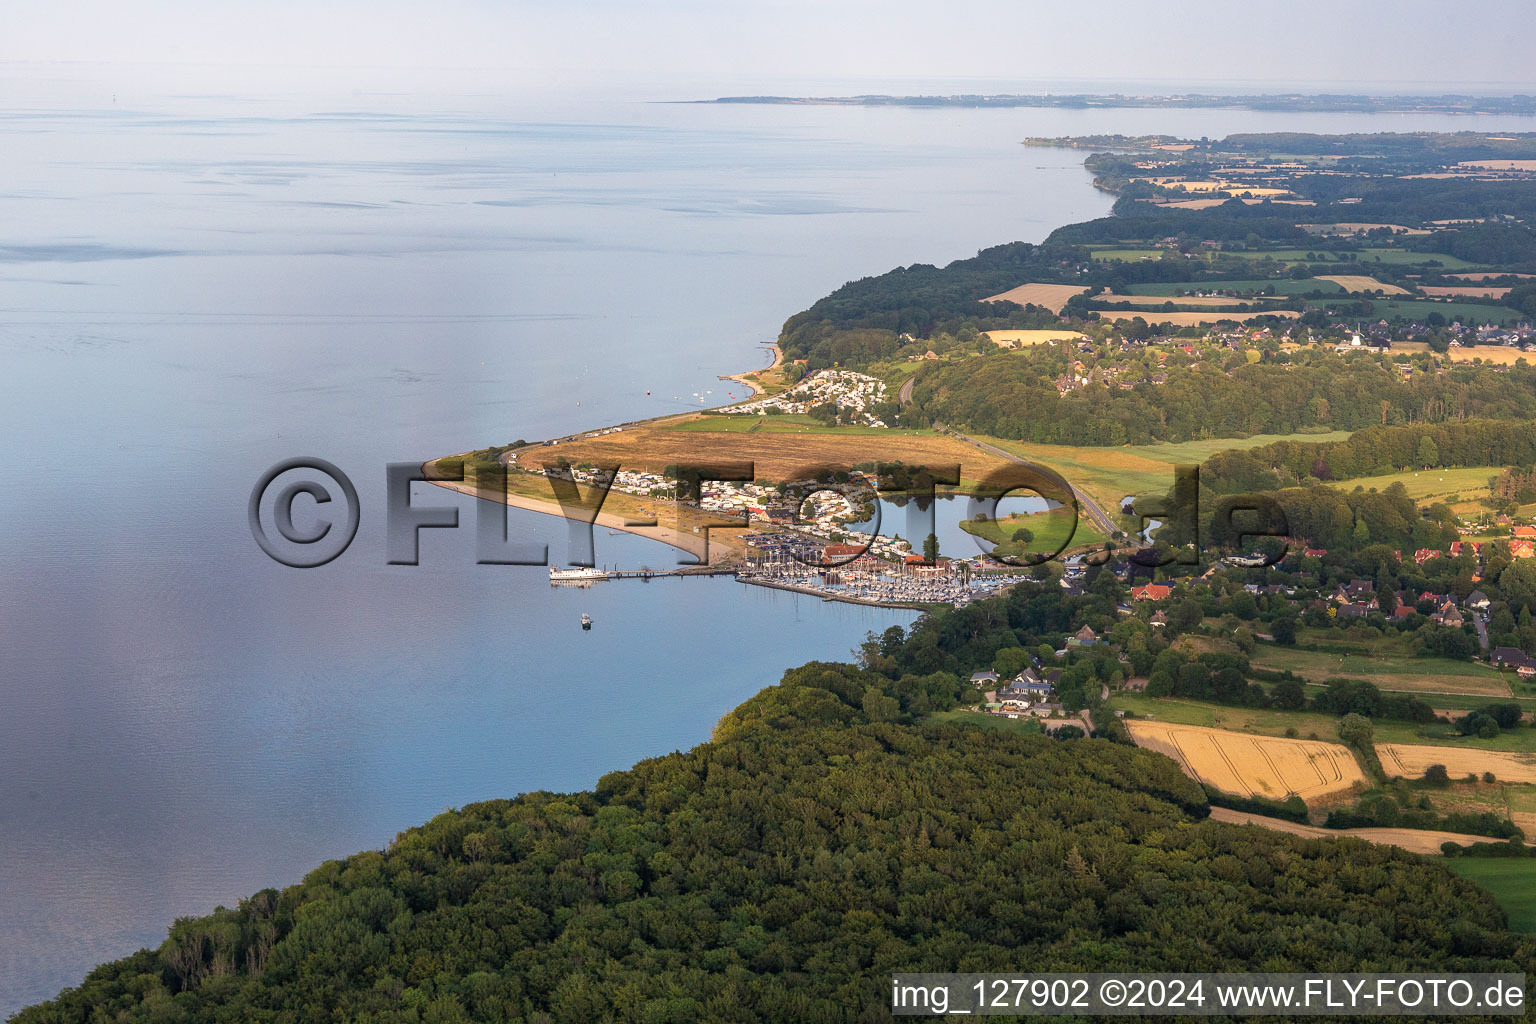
(332, 510)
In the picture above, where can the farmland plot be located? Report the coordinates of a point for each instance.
(1267, 766)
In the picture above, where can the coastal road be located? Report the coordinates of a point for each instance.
(1101, 521)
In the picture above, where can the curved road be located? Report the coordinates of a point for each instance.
(1101, 521)
(905, 395)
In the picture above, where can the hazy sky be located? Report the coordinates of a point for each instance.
(811, 43)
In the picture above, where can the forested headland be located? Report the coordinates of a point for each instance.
(827, 836)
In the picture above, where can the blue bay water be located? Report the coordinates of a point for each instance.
(193, 288)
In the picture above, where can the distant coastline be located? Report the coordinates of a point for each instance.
(1298, 102)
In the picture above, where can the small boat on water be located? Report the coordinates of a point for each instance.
(576, 574)
(586, 621)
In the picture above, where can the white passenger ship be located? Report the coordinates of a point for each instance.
(577, 574)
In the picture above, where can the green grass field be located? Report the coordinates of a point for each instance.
(1511, 881)
(1109, 474)
(1466, 312)
(1025, 726)
(1367, 258)
(1469, 482)
(1389, 663)
(1218, 716)
(1308, 724)
(1404, 257)
(1198, 451)
(1125, 254)
(1049, 529)
(1461, 702)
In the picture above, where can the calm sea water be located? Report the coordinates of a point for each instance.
(195, 287)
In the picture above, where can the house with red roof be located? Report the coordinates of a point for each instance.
(1151, 592)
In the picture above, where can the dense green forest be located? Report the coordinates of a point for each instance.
(781, 872)
(1014, 397)
(1374, 451)
(863, 319)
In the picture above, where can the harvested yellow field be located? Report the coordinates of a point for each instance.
(1499, 165)
(1411, 839)
(1192, 204)
(1207, 187)
(1237, 762)
(1238, 188)
(1409, 760)
(1023, 339)
(1183, 185)
(775, 455)
(1503, 355)
(1350, 227)
(1205, 204)
(1048, 296)
(1471, 289)
(1190, 319)
(1361, 283)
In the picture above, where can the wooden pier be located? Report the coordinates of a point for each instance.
(647, 573)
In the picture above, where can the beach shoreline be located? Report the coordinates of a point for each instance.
(742, 378)
(688, 543)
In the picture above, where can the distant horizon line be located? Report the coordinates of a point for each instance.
(1520, 103)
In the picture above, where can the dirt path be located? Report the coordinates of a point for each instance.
(1411, 839)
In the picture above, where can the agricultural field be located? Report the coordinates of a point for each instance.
(1361, 283)
(1024, 339)
(1352, 227)
(1410, 761)
(776, 454)
(1411, 839)
(1190, 319)
(1205, 204)
(1050, 296)
(1464, 483)
(1466, 312)
(1106, 474)
(1109, 474)
(1053, 530)
(1260, 721)
(1437, 291)
(1400, 257)
(1313, 724)
(1404, 257)
(1512, 881)
(1488, 274)
(1390, 663)
(1174, 452)
(1126, 254)
(1154, 301)
(1502, 355)
(1248, 765)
